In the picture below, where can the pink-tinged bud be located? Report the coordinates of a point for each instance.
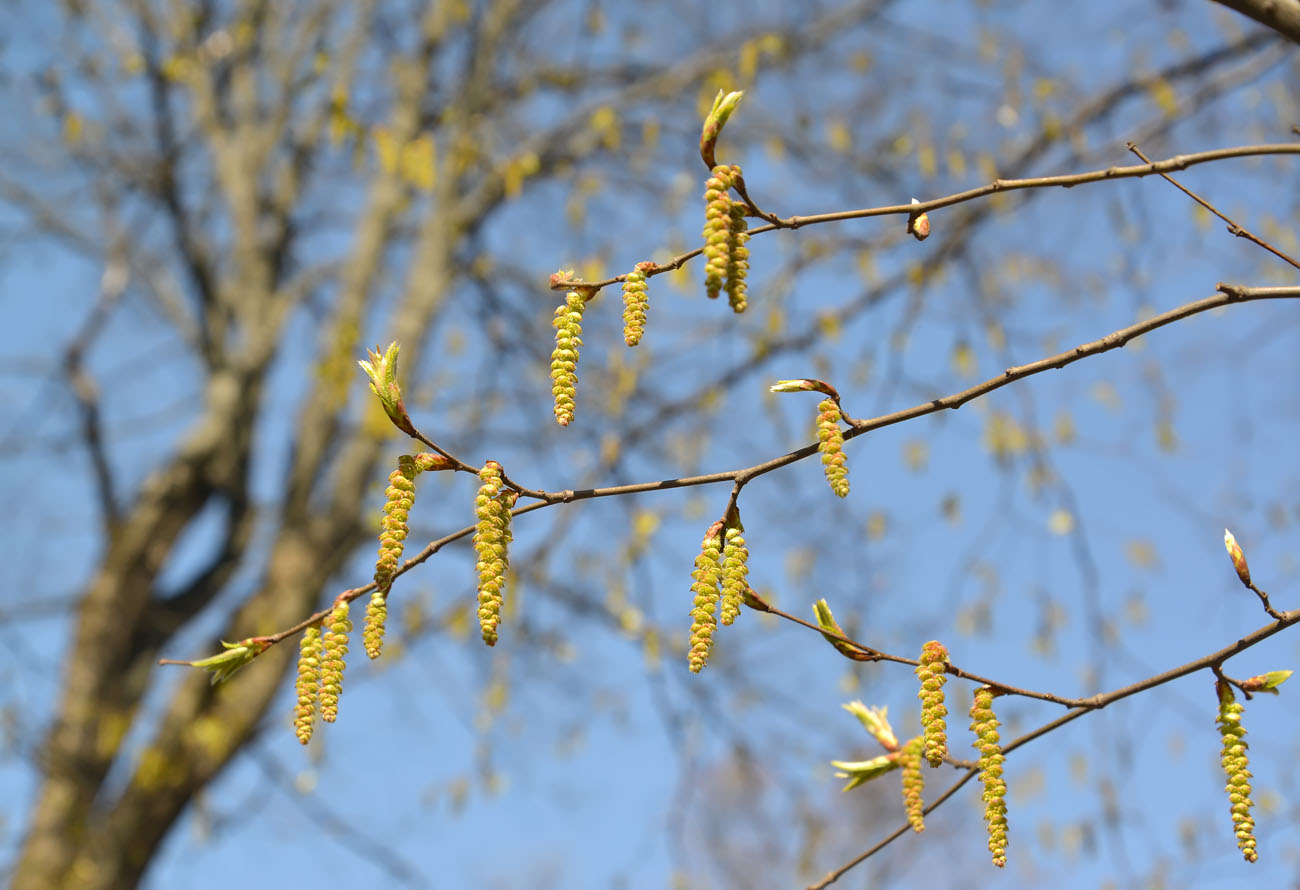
(1266, 682)
(805, 385)
(1238, 558)
(382, 371)
(563, 279)
(918, 224)
(723, 105)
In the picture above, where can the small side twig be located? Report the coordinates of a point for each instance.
(1233, 226)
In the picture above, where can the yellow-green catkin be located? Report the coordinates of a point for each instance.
(564, 358)
(492, 538)
(737, 257)
(717, 229)
(635, 303)
(830, 442)
(984, 724)
(334, 649)
(735, 574)
(308, 684)
(398, 500)
(706, 578)
(909, 756)
(372, 634)
(932, 673)
(1236, 765)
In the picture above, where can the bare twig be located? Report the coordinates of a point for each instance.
(1068, 180)
(1233, 226)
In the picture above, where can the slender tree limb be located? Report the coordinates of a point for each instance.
(1228, 294)
(1208, 662)
(1067, 180)
(1283, 16)
(1233, 227)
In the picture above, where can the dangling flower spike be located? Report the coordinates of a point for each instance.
(1236, 765)
(830, 442)
(308, 684)
(334, 649)
(635, 303)
(706, 577)
(932, 673)
(492, 538)
(984, 725)
(564, 358)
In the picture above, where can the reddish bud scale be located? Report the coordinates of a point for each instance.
(1237, 556)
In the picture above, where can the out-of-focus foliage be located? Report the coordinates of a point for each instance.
(210, 210)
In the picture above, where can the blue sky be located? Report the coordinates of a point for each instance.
(570, 757)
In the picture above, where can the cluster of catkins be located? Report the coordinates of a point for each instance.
(321, 654)
(322, 650)
(720, 577)
(725, 254)
(932, 747)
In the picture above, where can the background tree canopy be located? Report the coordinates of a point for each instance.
(209, 210)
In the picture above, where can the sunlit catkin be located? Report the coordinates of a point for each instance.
(737, 257)
(334, 649)
(735, 574)
(372, 634)
(564, 358)
(706, 578)
(308, 684)
(635, 303)
(717, 229)
(931, 671)
(398, 500)
(830, 442)
(491, 541)
(1236, 766)
(984, 724)
(913, 783)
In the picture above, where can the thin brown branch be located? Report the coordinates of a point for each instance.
(1213, 661)
(1067, 180)
(1234, 227)
(1228, 293)
(1263, 598)
(873, 654)
(1283, 16)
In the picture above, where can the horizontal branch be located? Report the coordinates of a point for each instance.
(1067, 180)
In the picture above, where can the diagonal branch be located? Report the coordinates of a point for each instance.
(1096, 703)
(1228, 294)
